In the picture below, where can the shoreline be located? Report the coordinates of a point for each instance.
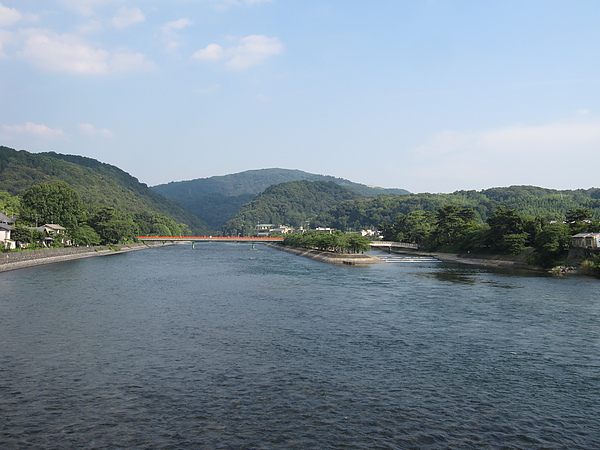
(349, 259)
(31, 258)
(21, 260)
(495, 261)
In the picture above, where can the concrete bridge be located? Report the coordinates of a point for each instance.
(391, 244)
(194, 239)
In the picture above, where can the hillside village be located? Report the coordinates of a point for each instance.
(47, 235)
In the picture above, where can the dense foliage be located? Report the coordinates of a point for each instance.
(527, 200)
(216, 200)
(293, 203)
(333, 242)
(97, 184)
(58, 203)
(455, 229)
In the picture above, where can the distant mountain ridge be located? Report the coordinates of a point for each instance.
(217, 199)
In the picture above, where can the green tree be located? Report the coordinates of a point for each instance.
(551, 244)
(507, 231)
(416, 226)
(85, 235)
(113, 226)
(356, 243)
(578, 215)
(452, 222)
(53, 203)
(21, 234)
(9, 205)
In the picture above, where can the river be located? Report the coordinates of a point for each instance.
(228, 347)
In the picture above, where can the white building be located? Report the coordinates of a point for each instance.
(5, 241)
(586, 240)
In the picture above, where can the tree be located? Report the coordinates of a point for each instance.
(551, 244)
(21, 234)
(416, 226)
(578, 215)
(53, 203)
(356, 243)
(113, 226)
(506, 232)
(9, 205)
(85, 235)
(452, 221)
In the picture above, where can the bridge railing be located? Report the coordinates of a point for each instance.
(394, 244)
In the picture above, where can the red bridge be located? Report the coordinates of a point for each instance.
(193, 239)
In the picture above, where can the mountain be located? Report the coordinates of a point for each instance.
(217, 199)
(96, 182)
(293, 203)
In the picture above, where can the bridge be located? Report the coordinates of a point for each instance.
(391, 244)
(194, 239)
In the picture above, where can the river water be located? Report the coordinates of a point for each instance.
(227, 347)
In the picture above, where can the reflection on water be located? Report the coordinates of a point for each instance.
(227, 347)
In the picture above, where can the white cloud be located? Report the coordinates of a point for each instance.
(91, 130)
(9, 16)
(249, 51)
(69, 53)
(519, 154)
(212, 52)
(127, 16)
(6, 38)
(34, 130)
(176, 25)
(170, 36)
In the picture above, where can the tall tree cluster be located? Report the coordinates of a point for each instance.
(506, 231)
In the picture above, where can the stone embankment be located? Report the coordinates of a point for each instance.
(29, 258)
(349, 259)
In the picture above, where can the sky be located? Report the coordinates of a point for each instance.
(424, 95)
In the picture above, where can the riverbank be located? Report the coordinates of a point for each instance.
(476, 259)
(350, 259)
(498, 261)
(30, 258)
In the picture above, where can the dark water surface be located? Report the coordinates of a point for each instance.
(228, 347)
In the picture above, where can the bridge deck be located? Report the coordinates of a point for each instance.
(208, 239)
(394, 244)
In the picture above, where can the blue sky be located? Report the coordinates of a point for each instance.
(425, 95)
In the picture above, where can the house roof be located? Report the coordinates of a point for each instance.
(584, 235)
(54, 226)
(5, 219)
(5, 226)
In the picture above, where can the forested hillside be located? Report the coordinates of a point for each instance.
(217, 199)
(96, 183)
(294, 203)
(528, 200)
